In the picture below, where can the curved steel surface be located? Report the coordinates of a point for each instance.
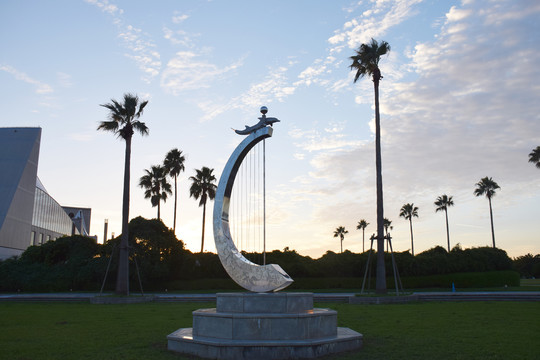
(250, 276)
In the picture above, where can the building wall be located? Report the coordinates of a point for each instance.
(49, 221)
(83, 225)
(28, 214)
(19, 154)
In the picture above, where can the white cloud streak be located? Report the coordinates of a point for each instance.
(40, 88)
(274, 87)
(187, 71)
(142, 49)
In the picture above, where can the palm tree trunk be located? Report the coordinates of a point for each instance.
(122, 279)
(175, 201)
(341, 244)
(158, 211)
(491, 217)
(363, 240)
(381, 271)
(203, 216)
(412, 241)
(447, 230)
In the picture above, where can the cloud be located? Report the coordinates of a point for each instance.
(188, 71)
(179, 18)
(142, 49)
(471, 112)
(40, 88)
(277, 87)
(64, 79)
(179, 37)
(274, 87)
(373, 22)
(106, 7)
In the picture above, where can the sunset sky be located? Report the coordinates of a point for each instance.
(460, 100)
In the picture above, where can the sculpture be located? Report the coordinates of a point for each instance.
(251, 276)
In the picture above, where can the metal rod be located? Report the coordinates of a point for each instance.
(107, 271)
(367, 267)
(264, 202)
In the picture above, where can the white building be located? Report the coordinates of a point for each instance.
(28, 214)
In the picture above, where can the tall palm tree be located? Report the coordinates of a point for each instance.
(387, 225)
(203, 187)
(366, 63)
(486, 186)
(362, 225)
(156, 186)
(408, 211)
(340, 231)
(174, 164)
(534, 157)
(124, 122)
(442, 203)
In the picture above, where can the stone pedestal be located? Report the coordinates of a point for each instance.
(264, 326)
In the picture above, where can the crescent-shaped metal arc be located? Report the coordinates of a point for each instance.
(250, 276)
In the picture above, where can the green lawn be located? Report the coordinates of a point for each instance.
(457, 330)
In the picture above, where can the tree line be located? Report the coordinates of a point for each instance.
(486, 186)
(365, 63)
(124, 122)
(162, 262)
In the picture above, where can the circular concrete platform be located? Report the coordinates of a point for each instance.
(264, 326)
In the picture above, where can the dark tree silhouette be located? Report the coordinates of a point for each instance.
(442, 203)
(124, 122)
(203, 187)
(534, 157)
(174, 164)
(362, 225)
(408, 211)
(486, 186)
(156, 186)
(340, 232)
(366, 63)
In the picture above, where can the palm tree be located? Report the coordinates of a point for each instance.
(124, 122)
(362, 225)
(156, 186)
(366, 63)
(340, 231)
(534, 157)
(174, 164)
(203, 188)
(408, 211)
(486, 186)
(442, 203)
(387, 225)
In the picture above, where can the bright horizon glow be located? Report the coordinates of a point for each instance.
(459, 101)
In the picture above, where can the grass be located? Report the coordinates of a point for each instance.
(457, 330)
(530, 282)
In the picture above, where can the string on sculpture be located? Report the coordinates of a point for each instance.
(247, 207)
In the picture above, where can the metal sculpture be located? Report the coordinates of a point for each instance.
(251, 276)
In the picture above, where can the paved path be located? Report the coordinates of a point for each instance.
(318, 297)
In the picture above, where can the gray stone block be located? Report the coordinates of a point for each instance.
(265, 303)
(183, 341)
(264, 326)
(212, 326)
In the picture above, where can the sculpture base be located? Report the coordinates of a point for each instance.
(264, 326)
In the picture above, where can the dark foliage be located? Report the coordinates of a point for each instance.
(528, 266)
(80, 263)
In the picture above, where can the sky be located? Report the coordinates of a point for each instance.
(459, 102)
